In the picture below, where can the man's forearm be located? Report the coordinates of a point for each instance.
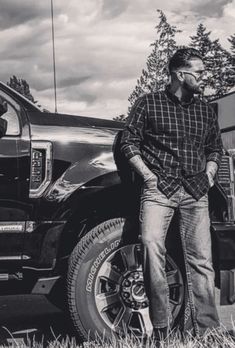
(140, 168)
(211, 168)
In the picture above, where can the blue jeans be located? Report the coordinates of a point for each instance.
(156, 212)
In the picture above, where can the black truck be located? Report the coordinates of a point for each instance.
(69, 221)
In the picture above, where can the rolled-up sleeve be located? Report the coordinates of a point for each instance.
(132, 135)
(214, 145)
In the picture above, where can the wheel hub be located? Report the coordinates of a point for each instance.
(120, 295)
(133, 292)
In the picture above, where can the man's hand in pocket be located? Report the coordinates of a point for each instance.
(151, 181)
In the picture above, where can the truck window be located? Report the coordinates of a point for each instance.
(13, 126)
(11, 116)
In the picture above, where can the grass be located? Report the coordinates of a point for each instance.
(211, 339)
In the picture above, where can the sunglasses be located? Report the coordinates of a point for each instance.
(196, 75)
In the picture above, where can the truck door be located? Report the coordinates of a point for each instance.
(14, 181)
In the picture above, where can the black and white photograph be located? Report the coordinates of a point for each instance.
(117, 166)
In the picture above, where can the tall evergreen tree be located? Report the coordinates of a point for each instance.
(221, 69)
(232, 42)
(231, 39)
(217, 62)
(201, 41)
(22, 87)
(155, 76)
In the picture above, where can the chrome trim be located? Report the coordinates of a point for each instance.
(12, 227)
(47, 146)
(4, 277)
(14, 258)
(32, 225)
(11, 276)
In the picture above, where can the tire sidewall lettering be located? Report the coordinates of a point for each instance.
(89, 256)
(97, 263)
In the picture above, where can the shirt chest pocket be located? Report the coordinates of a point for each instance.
(163, 124)
(194, 123)
(197, 131)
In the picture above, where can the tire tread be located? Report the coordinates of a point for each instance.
(75, 261)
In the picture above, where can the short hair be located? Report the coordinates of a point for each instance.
(181, 58)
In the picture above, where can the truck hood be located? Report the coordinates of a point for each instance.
(69, 128)
(65, 120)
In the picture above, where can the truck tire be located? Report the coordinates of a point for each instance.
(106, 294)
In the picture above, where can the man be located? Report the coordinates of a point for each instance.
(172, 140)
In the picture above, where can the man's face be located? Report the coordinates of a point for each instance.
(193, 76)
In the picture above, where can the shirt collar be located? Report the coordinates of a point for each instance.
(176, 100)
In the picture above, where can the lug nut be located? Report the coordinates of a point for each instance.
(136, 276)
(127, 283)
(126, 294)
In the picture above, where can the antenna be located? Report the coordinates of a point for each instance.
(53, 49)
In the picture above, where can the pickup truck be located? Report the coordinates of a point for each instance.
(69, 221)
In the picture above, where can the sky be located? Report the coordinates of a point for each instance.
(101, 46)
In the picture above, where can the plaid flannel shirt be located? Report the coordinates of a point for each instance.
(174, 140)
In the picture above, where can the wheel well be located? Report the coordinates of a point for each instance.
(98, 206)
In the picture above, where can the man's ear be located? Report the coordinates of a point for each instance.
(180, 75)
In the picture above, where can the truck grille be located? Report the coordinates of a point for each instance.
(226, 180)
(224, 174)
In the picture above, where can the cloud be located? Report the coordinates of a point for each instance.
(17, 12)
(111, 9)
(210, 8)
(73, 81)
(229, 10)
(101, 46)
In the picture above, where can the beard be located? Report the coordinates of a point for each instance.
(194, 89)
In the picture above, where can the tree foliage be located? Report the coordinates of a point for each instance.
(120, 118)
(22, 87)
(155, 75)
(217, 60)
(231, 40)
